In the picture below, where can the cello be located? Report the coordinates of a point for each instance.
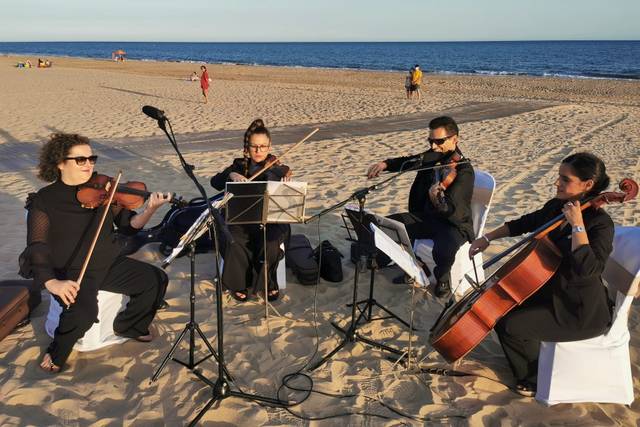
(462, 326)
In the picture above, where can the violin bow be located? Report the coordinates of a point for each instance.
(112, 192)
(273, 162)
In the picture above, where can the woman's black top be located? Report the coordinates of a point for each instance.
(457, 196)
(576, 290)
(274, 173)
(60, 231)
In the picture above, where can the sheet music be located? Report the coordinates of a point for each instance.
(404, 260)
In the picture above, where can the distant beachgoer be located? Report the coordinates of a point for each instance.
(204, 83)
(194, 77)
(416, 80)
(28, 64)
(407, 83)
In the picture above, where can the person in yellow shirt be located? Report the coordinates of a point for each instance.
(416, 81)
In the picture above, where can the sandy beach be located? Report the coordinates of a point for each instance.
(102, 100)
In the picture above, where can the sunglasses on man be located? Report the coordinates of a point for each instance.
(440, 141)
(81, 160)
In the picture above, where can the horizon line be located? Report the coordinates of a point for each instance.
(322, 41)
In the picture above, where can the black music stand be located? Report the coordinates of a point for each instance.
(366, 257)
(364, 237)
(266, 202)
(188, 242)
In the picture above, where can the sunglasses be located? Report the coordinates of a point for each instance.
(439, 141)
(81, 160)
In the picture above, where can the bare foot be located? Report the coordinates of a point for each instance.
(48, 365)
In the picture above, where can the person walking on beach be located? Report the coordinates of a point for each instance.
(416, 81)
(407, 83)
(204, 83)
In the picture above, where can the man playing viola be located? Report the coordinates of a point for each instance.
(435, 212)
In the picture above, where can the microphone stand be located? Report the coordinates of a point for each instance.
(220, 389)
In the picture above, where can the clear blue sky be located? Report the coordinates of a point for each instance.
(319, 20)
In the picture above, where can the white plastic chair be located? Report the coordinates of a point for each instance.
(100, 334)
(483, 187)
(597, 369)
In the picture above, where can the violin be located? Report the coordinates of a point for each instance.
(129, 195)
(445, 176)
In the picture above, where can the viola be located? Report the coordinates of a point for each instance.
(445, 176)
(463, 325)
(129, 195)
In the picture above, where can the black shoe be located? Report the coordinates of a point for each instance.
(442, 289)
(163, 305)
(526, 388)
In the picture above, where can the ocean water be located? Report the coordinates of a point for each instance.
(582, 59)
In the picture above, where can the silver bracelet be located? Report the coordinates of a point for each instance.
(484, 236)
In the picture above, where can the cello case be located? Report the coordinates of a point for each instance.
(169, 231)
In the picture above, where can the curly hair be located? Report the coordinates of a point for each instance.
(54, 151)
(256, 127)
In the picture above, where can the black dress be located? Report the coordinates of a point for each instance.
(448, 228)
(59, 234)
(573, 304)
(243, 257)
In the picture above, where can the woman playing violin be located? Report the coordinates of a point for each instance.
(243, 271)
(573, 304)
(59, 234)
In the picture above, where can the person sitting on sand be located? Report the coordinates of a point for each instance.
(194, 77)
(59, 233)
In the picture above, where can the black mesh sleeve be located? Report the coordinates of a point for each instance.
(38, 250)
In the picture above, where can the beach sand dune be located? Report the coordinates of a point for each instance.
(111, 386)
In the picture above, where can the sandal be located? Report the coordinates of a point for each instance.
(526, 388)
(47, 364)
(240, 296)
(273, 295)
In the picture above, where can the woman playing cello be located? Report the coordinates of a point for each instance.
(59, 235)
(243, 271)
(573, 304)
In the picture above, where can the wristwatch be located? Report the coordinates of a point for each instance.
(577, 229)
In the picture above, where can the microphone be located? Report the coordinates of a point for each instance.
(154, 113)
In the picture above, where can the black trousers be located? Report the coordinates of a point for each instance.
(447, 239)
(145, 285)
(522, 329)
(243, 257)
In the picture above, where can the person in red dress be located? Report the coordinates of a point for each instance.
(204, 83)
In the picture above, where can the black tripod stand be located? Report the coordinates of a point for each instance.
(220, 388)
(192, 327)
(366, 257)
(365, 306)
